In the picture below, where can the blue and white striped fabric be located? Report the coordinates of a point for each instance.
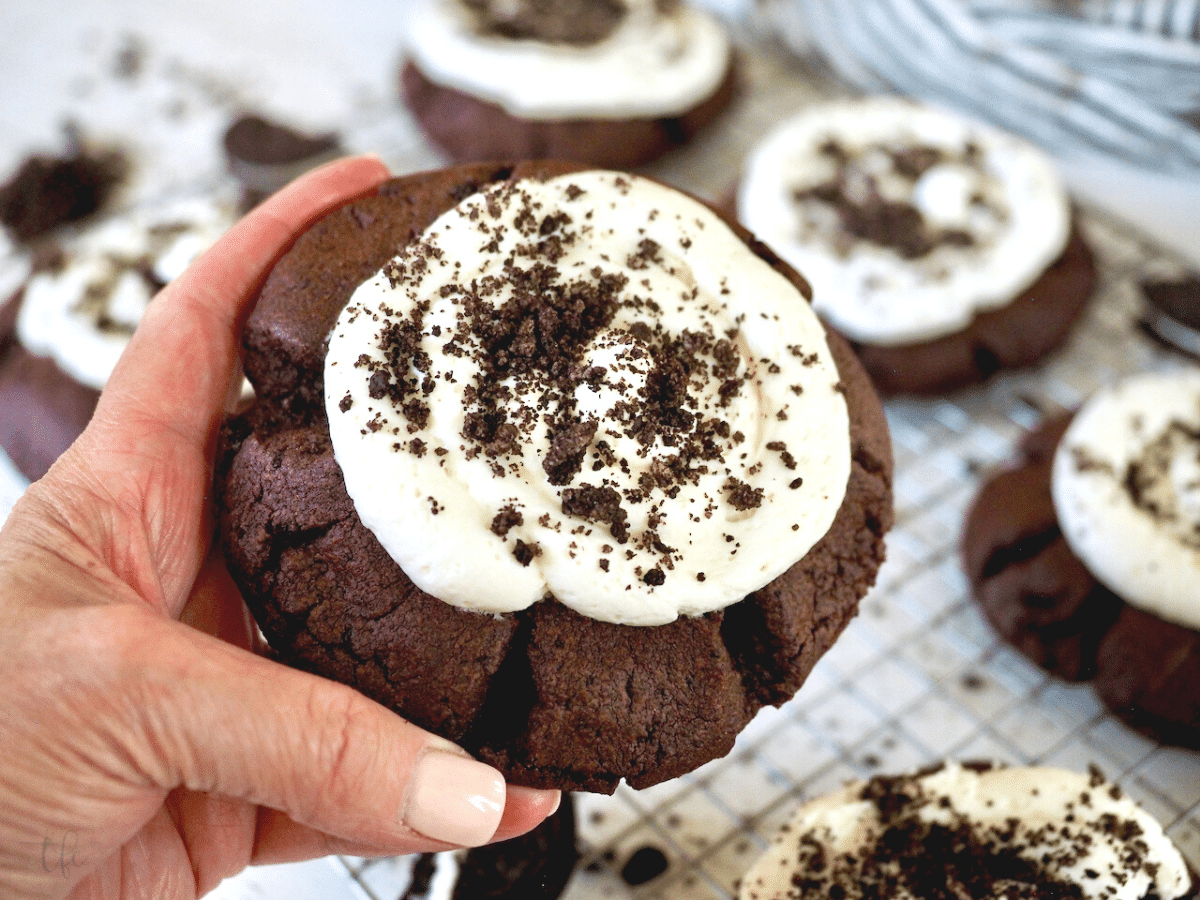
(1115, 77)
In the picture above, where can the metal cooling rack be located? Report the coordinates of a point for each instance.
(918, 676)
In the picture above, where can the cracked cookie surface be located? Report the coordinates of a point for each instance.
(550, 697)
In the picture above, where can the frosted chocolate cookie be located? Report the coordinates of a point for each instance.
(63, 329)
(972, 831)
(611, 83)
(534, 866)
(1085, 555)
(555, 464)
(943, 249)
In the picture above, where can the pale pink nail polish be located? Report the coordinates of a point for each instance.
(455, 799)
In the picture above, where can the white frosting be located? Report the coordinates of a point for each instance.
(434, 512)
(654, 64)
(1147, 553)
(14, 267)
(1039, 800)
(1008, 198)
(83, 314)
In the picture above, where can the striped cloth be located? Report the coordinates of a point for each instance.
(1115, 77)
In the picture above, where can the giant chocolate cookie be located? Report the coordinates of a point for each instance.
(1045, 602)
(550, 697)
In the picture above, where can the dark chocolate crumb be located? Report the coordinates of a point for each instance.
(742, 496)
(646, 864)
(508, 517)
(525, 553)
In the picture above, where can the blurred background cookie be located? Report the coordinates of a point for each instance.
(63, 330)
(972, 831)
(943, 249)
(48, 190)
(1172, 311)
(614, 83)
(1085, 554)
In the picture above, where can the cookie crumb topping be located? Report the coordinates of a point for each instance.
(971, 831)
(593, 387)
(1126, 490)
(572, 59)
(907, 220)
(82, 311)
(579, 23)
(876, 193)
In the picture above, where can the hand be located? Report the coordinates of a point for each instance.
(142, 757)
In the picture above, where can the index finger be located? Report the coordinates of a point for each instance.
(175, 375)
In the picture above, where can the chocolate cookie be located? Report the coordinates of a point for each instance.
(44, 408)
(972, 830)
(62, 331)
(469, 129)
(1016, 335)
(534, 866)
(1172, 312)
(565, 79)
(1045, 602)
(942, 249)
(549, 696)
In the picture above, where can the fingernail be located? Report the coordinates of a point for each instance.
(454, 799)
(515, 792)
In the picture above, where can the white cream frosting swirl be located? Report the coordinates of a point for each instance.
(998, 829)
(1126, 490)
(82, 313)
(590, 388)
(979, 214)
(655, 63)
(14, 267)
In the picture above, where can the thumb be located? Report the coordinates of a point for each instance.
(233, 724)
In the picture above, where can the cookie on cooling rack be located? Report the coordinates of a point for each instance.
(944, 250)
(574, 478)
(1085, 554)
(612, 83)
(63, 329)
(972, 830)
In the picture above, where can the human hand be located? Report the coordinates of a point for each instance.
(143, 757)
